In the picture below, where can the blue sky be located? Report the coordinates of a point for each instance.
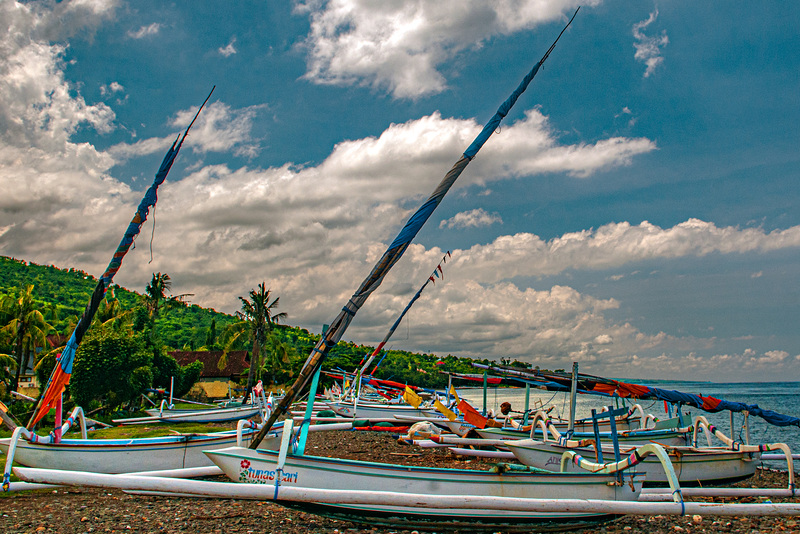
(635, 212)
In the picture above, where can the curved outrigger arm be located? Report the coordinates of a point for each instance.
(634, 458)
(700, 422)
(23, 433)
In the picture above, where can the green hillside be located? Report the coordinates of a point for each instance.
(190, 327)
(70, 290)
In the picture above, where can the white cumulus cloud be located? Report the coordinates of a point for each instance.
(616, 244)
(399, 46)
(219, 128)
(471, 219)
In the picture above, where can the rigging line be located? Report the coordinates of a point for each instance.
(152, 235)
(550, 400)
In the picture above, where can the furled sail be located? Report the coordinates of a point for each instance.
(338, 326)
(62, 372)
(596, 385)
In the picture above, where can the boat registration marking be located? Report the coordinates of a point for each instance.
(263, 476)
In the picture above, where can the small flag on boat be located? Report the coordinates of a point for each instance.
(270, 402)
(471, 415)
(259, 388)
(412, 398)
(454, 394)
(443, 409)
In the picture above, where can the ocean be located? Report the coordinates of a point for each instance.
(781, 397)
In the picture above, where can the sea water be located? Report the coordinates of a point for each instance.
(781, 397)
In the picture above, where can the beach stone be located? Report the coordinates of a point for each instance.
(697, 518)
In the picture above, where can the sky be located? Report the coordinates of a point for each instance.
(635, 212)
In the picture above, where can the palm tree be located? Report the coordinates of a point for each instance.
(26, 328)
(157, 295)
(278, 367)
(110, 313)
(7, 365)
(256, 320)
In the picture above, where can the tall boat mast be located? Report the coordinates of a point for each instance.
(435, 274)
(338, 326)
(62, 372)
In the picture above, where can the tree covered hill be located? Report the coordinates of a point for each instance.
(70, 290)
(190, 327)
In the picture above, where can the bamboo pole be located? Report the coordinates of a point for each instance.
(502, 455)
(659, 493)
(230, 490)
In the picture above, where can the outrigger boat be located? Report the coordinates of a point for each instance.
(310, 472)
(665, 437)
(402, 496)
(210, 415)
(693, 465)
(370, 410)
(276, 469)
(131, 455)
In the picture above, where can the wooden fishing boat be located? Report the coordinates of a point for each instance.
(127, 455)
(666, 437)
(693, 466)
(211, 415)
(313, 472)
(460, 427)
(374, 410)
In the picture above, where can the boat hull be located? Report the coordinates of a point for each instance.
(114, 456)
(378, 411)
(694, 467)
(427, 519)
(260, 467)
(633, 438)
(219, 415)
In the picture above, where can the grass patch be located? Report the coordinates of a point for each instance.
(150, 431)
(188, 406)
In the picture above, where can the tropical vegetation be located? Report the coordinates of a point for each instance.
(132, 334)
(256, 322)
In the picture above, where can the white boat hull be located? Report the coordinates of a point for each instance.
(378, 411)
(113, 456)
(213, 415)
(260, 467)
(632, 438)
(694, 467)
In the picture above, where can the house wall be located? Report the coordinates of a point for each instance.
(28, 385)
(212, 388)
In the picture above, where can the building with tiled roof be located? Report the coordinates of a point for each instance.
(215, 383)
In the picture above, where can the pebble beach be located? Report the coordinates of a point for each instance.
(80, 509)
